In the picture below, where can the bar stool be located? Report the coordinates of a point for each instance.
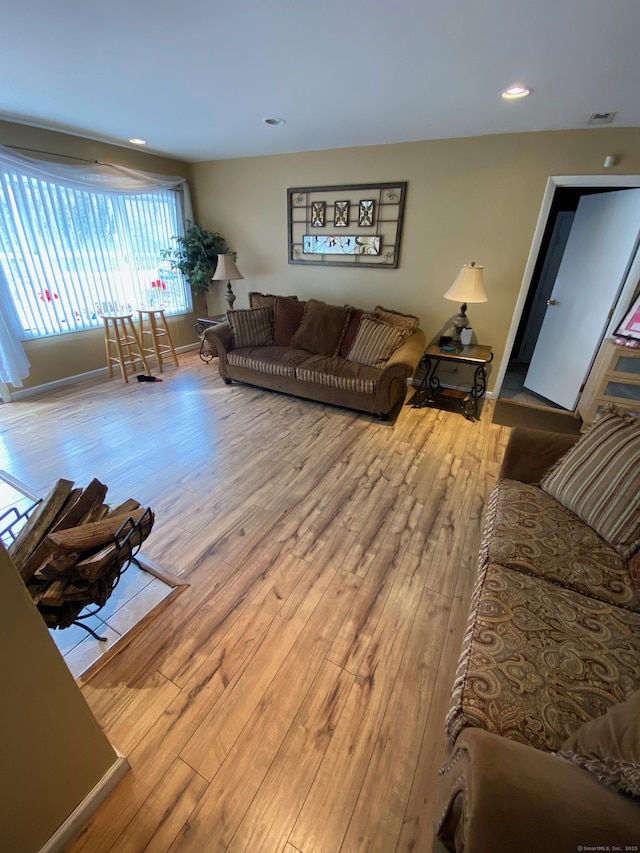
(157, 329)
(122, 344)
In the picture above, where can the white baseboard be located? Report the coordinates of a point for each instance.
(81, 814)
(23, 393)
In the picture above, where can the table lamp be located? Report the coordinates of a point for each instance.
(226, 269)
(466, 288)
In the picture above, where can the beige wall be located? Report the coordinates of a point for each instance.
(53, 751)
(467, 199)
(61, 356)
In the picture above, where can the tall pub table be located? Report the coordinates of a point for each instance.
(202, 324)
(431, 390)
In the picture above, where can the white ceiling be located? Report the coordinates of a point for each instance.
(196, 78)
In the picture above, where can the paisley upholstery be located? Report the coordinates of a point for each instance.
(534, 533)
(539, 660)
(550, 661)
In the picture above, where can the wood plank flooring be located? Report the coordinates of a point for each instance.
(292, 698)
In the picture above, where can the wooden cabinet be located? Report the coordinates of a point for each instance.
(614, 378)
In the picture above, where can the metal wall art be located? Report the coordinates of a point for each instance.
(372, 212)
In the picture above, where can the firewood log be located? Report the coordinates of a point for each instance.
(126, 506)
(38, 524)
(86, 537)
(85, 504)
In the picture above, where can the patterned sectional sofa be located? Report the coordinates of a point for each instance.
(544, 722)
(340, 355)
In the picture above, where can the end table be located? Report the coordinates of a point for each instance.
(202, 324)
(431, 390)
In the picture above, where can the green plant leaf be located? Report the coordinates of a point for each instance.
(196, 256)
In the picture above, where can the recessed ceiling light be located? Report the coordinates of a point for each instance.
(512, 93)
(274, 122)
(137, 141)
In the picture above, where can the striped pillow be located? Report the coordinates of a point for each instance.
(251, 327)
(374, 343)
(599, 480)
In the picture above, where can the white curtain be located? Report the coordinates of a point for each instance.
(14, 365)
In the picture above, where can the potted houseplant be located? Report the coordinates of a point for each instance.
(196, 255)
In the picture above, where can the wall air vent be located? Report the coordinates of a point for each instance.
(601, 118)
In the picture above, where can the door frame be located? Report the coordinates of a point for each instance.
(553, 182)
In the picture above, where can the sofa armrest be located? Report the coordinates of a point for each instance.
(409, 353)
(497, 795)
(220, 337)
(530, 453)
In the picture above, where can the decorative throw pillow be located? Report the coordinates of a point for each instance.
(288, 312)
(620, 776)
(322, 328)
(408, 322)
(351, 331)
(599, 480)
(251, 327)
(375, 342)
(615, 734)
(609, 747)
(264, 300)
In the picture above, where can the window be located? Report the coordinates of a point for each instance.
(71, 254)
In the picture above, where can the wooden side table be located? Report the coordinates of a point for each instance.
(202, 324)
(431, 390)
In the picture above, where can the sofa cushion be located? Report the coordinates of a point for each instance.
(528, 530)
(322, 328)
(337, 372)
(615, 734)
(251, 327)
(538, 660)
(634, 569)
(407, 322)
(599, 480)
(264, 300)
(278, 361)
(287, 316)
(351, 331)
(375, 342)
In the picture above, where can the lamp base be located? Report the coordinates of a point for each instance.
(460, 322)
(230, 296)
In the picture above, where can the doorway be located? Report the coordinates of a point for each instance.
(559, 206)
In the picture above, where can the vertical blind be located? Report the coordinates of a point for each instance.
(71, 254)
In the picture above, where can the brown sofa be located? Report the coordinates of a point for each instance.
(332, 354)
(544, 723)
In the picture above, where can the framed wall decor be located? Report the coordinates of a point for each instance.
(362, 225)
(341, 214)
(318, 214)
(365, 216)
(630, 325)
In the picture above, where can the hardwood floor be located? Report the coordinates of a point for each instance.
(293, 697)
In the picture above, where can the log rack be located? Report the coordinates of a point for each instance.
(120, 549)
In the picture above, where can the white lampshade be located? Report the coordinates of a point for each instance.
(468, 285)
(226, 270)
